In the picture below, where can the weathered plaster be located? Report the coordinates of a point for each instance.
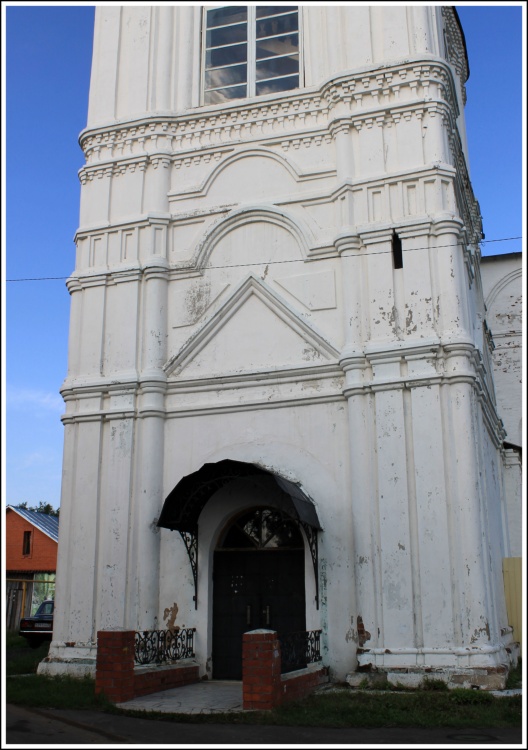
(235, 296)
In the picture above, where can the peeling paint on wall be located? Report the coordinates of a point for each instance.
(362, 634)
(169, 615)
(351, 634)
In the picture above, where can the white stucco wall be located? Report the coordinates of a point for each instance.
(502, 285)
(236, 296)
(129, 80)
(502, 282)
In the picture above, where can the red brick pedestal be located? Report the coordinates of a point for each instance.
(115, 665)
(120, 681)
(261, 670)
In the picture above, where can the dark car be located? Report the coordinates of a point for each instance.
(38, 628)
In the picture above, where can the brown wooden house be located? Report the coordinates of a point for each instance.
(31, 561)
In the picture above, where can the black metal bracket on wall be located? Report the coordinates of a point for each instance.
(311, 535)
(190, 539)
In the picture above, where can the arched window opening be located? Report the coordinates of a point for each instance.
(262, 529)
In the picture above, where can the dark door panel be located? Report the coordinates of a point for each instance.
(254, 589)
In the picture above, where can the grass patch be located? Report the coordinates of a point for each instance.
(431, 708)
(430, 683)
(417, 709)
(514, 681)
(14, 640)
(456, 708)
(25, 687)
(42, 691)
(20, 658)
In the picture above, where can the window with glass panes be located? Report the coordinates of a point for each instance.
(250, 51)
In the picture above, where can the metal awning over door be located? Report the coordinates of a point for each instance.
(185, 502)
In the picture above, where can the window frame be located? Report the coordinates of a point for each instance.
(27, 539)
(251, 56)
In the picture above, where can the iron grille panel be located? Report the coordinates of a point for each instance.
(163, 646)
(299, 649)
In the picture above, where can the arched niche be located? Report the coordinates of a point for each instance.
(251, 176)
(184, 504)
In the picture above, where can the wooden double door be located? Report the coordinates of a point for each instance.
(256, 588)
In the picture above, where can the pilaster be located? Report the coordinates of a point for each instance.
(163, 55)
(352, 264)
(154, 326)
(114, 532)
(147, 501)
(452, 287)
(148, 483)
(472, 606)
(512, 480)
(384, 319)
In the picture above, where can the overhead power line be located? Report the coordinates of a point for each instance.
(294, 260)
(43, 278)
(504, 239)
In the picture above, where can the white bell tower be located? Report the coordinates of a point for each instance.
(278, 267)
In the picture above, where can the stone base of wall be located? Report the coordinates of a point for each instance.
(76, 668)
(485, 678)
(77, 660)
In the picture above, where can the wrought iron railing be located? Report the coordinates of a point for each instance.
(299, 649)
(163, 646)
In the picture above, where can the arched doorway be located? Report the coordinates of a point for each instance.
(242, 486)
(258, 582)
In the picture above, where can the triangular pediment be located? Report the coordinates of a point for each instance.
(254, 331)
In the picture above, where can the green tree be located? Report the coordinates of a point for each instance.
(42, 507)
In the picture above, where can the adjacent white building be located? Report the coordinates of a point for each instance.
(277, 296)
(503, 287)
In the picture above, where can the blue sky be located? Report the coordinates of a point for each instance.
(47, 58)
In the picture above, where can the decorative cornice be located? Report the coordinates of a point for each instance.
(472, 374)
(83, 280)
(512, 457)
(309, 110)
(467, 204)
(251, 379)
(469, 369)
(257, 405)
(141, 220)
(369, 98)
(116, 167)
(191, 158)
(455, 48)
(295, 140)
(147, 407)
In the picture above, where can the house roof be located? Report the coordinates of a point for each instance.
(49, 525)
